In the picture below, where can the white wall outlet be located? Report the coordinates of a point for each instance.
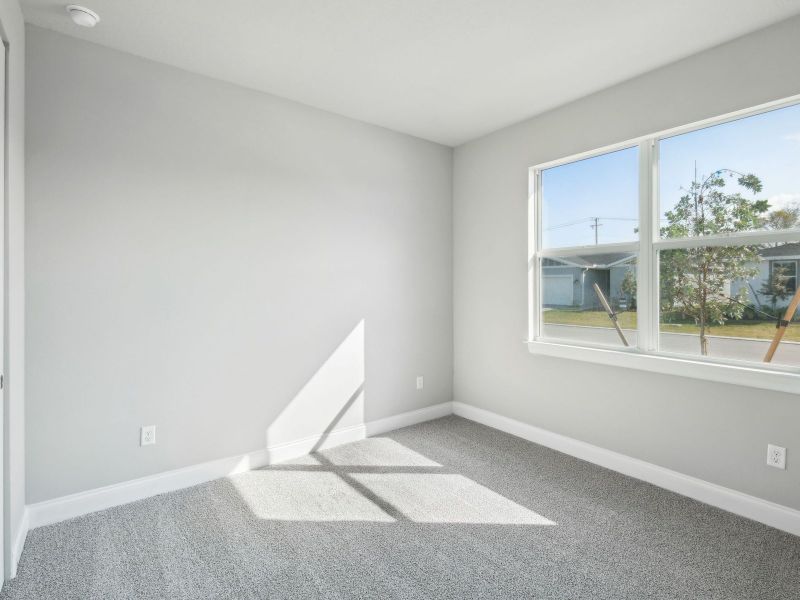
(420, 382)
(776, 456)
(147, 435)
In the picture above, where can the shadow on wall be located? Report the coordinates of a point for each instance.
(331, 401)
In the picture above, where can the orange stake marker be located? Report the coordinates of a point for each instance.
(611, 314)
(782, 325)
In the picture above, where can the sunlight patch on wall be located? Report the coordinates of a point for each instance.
(332, 398)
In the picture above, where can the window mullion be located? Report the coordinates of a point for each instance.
(534, 243)
(647, 295)
(579, 250)
(742, 238)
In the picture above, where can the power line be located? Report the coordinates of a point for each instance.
(568, 224)
(593, 219)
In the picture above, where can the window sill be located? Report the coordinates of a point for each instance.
(755, 377)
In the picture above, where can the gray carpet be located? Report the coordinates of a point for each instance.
(445, 509)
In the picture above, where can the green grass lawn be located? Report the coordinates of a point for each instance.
(762, 330)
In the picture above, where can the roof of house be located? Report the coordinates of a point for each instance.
(792, 249)
(591, 261)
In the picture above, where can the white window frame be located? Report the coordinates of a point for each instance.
(646, 355)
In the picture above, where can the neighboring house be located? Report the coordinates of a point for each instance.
(785, 257)
(568, 282)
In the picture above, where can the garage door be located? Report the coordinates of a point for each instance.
(557, 290)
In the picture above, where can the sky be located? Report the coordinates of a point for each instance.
(606, 187)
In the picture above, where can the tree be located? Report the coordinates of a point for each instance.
(776, 287)
(783, 218)
(695, 281)
(628, 287)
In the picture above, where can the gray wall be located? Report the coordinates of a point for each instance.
(12, 29)
(713, 431)
(220, 263)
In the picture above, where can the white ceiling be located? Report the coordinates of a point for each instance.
(445, 70)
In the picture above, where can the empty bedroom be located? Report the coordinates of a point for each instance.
(416, 299)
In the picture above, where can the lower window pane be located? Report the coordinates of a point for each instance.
(724, 302)
(576, 290)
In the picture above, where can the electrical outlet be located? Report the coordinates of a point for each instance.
(147, 435)
(420, 382)
(776, 456)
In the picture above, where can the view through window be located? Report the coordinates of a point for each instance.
(709, 243)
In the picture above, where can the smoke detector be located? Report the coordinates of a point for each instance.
(83, 16)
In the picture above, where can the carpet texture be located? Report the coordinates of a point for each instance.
(445, 509)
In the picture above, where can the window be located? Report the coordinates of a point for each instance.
(682, 247)
(783, 275)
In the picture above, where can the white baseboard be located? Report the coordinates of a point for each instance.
(409, 418)
(75, 505)
(19, 542)
(298, 448)
(757, 509)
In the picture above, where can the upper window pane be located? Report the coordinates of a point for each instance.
(591, 201)
(738, 176)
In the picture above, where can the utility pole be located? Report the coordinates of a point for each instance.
(596, 228)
